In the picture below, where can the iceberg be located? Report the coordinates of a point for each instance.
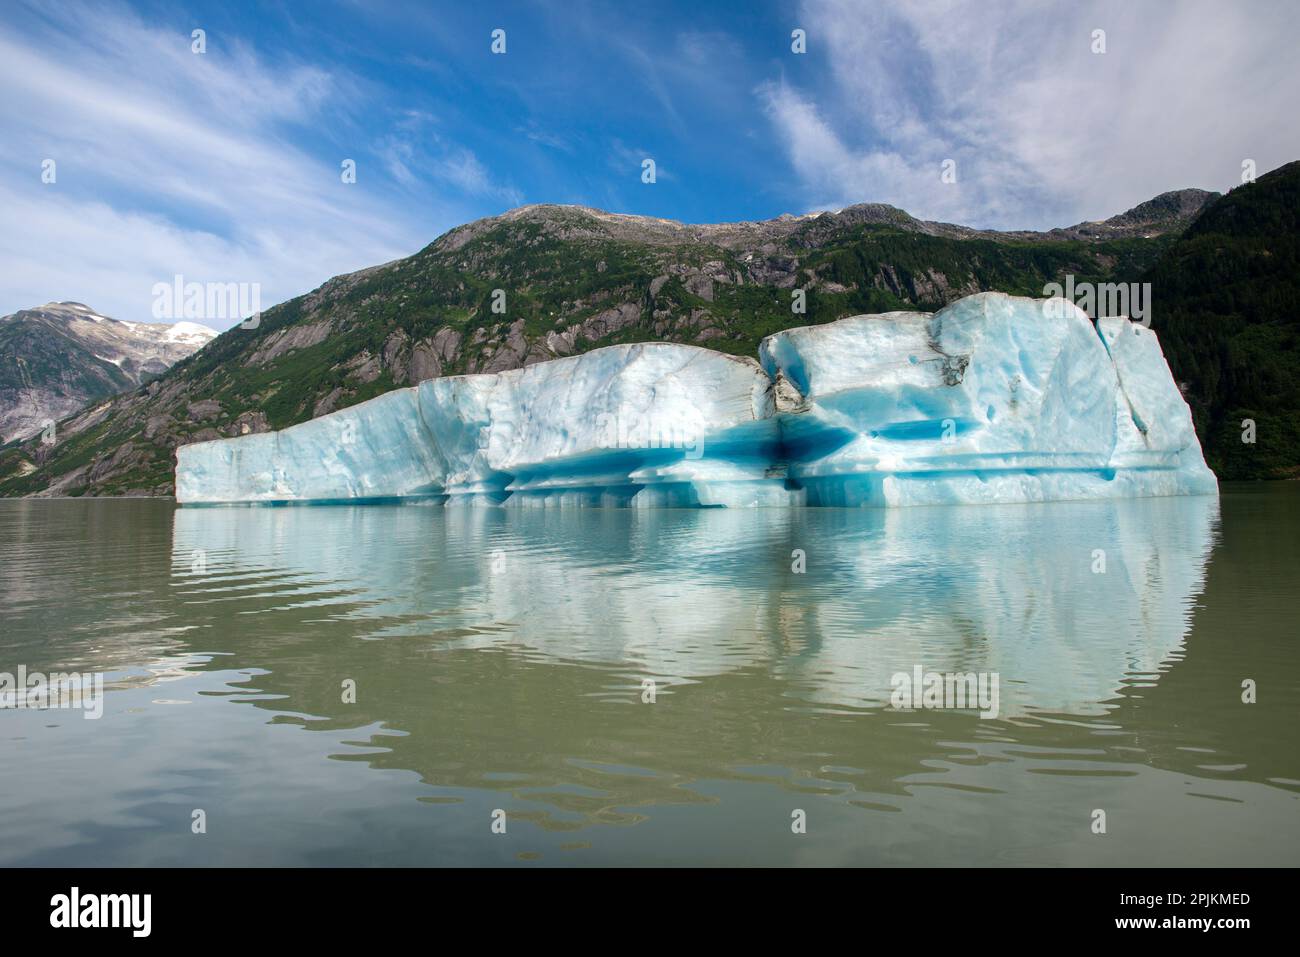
(992, 399)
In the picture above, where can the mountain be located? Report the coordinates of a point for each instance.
(1227, 310)
(1168, 212)
(545, 281)
(56, 358)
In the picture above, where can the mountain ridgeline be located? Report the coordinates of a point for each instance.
(541, 282)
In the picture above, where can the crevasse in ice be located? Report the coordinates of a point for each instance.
(991, 399)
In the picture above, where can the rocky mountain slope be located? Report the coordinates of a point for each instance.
(56, 358)
(1168, 212)
(540, 282)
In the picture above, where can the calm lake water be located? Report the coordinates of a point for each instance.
(501, 662)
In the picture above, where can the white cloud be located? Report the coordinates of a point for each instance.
(1043, 131)
(171, 162)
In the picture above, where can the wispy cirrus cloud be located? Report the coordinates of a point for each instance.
(417, 154)
(208, 165)
(555, 141)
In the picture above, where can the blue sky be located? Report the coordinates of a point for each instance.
(224, 166)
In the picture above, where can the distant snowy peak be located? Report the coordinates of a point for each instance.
(191, 333)
(188, 332)
(60, 356)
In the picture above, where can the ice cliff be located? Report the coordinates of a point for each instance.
(991, 399)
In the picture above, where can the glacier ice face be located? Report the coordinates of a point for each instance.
(624, 425)
(991, 399)
(374, 450)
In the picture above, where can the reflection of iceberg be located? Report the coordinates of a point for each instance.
(685, 595)
(992, 399)
(1017, 591)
